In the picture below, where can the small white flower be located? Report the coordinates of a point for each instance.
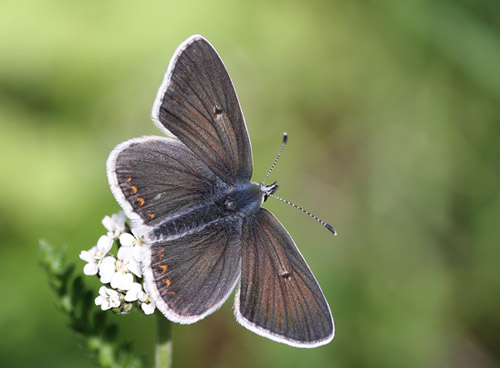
(96, 254)
(107, 269)
(129, 240)
(121, 279)
(115, 272)
(130, 260)
(115, 224)
(107, 298)
(148, 307)
(135, 293)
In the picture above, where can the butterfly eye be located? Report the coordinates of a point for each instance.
(229, 204)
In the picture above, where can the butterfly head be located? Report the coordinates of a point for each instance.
(268, 190)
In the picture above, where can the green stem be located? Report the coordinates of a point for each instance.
(163, 348)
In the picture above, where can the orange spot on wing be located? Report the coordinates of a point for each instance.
(171, 292)
(129, 179)
(141, 201)
(151, 215)
(168, 282)
(134, 189)
(164, 269)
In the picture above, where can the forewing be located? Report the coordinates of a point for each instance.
(191, 276)
(154, 178)
(279, 298)
(198, 104)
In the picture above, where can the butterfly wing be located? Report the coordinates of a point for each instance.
(190, 277)
(192, 273)
(279, 298)
(198, 104)
(155, 178)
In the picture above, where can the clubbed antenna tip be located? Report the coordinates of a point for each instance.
(285, 139)
(330, 227)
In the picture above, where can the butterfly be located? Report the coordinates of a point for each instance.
(189, 195)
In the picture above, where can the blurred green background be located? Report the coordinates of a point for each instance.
(393, 115)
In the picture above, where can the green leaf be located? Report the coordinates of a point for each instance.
(73, 298)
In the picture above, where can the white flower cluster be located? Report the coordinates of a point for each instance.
(121, 272)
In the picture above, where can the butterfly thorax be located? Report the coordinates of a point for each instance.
(241, 200)
(231, 205)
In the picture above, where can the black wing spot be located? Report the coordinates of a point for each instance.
(218, 111)
(286, 275)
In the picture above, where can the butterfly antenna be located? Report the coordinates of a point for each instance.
(285, 139)
(328, 226)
